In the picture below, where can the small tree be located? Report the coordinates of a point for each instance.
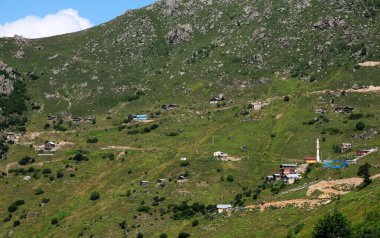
(163, 235)
(183, 235)
(54, 221)
(140, 235)
(360, 126)
(333, 225)
(195, 223)
(95, 196)
(286, 99)
(363, 171)
(230, 178)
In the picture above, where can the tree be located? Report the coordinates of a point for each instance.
(360, 126)
(163, 235)
(94, 196)
(195, 223)
(54, 221)
(333, 225)
(140, 235)
(230, 178)
(286, 98)
(363, 171)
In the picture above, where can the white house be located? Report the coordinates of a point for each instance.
(224, 208)
(345, 146)
(291, 178)
(220, 155)
(183, 159)
(49, 145)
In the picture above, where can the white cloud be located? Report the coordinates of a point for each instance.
(64, 21)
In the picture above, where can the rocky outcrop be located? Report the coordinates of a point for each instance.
(7, 77)
(326, 23)
(20, 54)
(179, 34)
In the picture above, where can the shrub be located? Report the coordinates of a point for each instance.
(183, 235)
(79, 157)
(60, 174)
(230, 178)
(92, 140)
(54, 221)
(360, 126)
(140, 235)
(94, 196)
(16, 223)
(39, 191)
(143, 208)
(13, 207)
(163, 235)
(185, 163)
(46, 171)
(195, 223)
(123, 225)
(286, 99)
(355, 116)
(26, 160)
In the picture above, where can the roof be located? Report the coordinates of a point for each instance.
(296, 176)
(346, 143)
(288, 165)
(144, 182)
(223, 206)
(220, 153)
(49, 142)
(310, 158)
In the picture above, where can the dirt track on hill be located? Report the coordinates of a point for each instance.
(327, 190)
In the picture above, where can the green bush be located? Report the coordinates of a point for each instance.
(54, 221)
(39, 191)
(16, 223)
(230, 178)
(195, 223)
(26, 160)
(94, 196)
(143, 208)
(163, 235)
(183, 235)
(92, 140)
(360, 126)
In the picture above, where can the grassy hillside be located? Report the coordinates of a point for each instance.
(185, 52)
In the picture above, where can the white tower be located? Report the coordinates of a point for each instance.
(318, 147)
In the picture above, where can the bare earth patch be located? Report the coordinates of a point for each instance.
(370, 64)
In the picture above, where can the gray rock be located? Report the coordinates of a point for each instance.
(180, 34)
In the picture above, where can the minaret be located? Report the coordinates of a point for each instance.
(318, 147)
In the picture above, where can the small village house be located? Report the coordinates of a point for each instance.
(49, 146)
(310, 160)
(181, 179)
(320, 111)
(345, 146)
(344, 109)
(286, 169)
(169, 106)
(257, 106)
(291, 178)
(222, 208)
(161, 181)
(144, 183)
(11, 136)
(363, 152)
(51, 118)
(217, 99)
(141, 117)
(219, 155)
(183, 159)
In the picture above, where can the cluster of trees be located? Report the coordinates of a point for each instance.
(186, 211)
(147, 129)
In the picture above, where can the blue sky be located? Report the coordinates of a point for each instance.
(97, 11)
(44, 18)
